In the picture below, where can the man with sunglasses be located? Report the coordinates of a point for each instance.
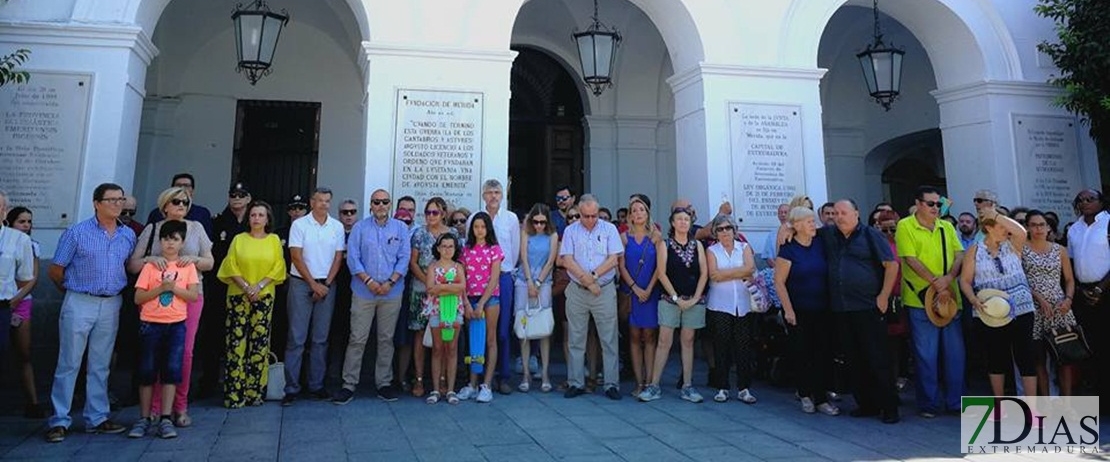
(1090, 252)
(564, 200)
(341, 325)
(932, 257)
(196, 213)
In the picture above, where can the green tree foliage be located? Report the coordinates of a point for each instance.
(1082, 54)
(9, 64)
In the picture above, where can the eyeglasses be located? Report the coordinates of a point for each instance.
(561, 198)
(721, 229)
(128, 212)
(433, 213)
(348, 212)
(114, 200)
(182, 202)
(888, 230)
(379, 201)
(682, 209)
(458, 221)
(1086, 199)
(589, 215)
(238, 195)
(931, 204)
(573, 217)
(980, 200)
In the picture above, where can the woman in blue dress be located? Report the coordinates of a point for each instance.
(538, 248)
(638, 278)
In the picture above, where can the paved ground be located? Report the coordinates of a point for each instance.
(520, 427)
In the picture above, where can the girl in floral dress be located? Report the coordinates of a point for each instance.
(446, 294)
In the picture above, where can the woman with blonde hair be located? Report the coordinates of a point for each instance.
(639, 287)
(539, 246)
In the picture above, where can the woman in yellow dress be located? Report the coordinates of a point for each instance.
(254, 265)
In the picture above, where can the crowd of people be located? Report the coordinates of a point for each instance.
(927, 296)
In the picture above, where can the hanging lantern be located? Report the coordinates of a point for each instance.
(256, 37)
(597, 53)
(882, 67)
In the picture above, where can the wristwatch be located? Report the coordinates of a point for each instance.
(536, 283)
(674, 298)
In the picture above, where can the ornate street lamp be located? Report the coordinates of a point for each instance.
(256, 36)
(597, 51)
(882, 67)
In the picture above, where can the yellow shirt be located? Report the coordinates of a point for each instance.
(915, 240)
(253, 259)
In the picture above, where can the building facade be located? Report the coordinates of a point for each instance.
(751, 101)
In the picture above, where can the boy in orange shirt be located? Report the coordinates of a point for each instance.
(162, 294)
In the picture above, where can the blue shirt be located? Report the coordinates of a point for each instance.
(855, 266)
(808, 282)
(196, 213)
(94, 261)
(539, 250)
(379, 251)
(559, 221)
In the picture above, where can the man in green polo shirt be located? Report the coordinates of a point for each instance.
(931, 256)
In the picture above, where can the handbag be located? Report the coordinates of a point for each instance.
(757, 290)
(427, 341)
(534, 322)
(275, 373)
(1068, 345)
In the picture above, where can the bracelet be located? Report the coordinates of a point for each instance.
(367, 281)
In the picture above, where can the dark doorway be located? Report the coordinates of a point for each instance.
(277, 144)
(545, 130)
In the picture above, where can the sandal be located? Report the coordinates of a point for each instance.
(432, 398)
(418, 387)
(524, 386)
(545, 387)
(182, 420)
(452, 398)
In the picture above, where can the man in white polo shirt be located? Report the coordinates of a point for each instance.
(1090, 253)
(316, 245)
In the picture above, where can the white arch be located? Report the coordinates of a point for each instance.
(145, 13)
(967, 40)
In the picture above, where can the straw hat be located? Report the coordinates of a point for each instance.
(996, 307)
(940, 314)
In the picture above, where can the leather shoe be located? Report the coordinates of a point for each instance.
(861, 412)
(890, 416)
(613, 393)
(574, 392)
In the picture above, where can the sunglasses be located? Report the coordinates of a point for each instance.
(128, 212)
(933, 204)
(682, 209)
(458, 221)
(725, 228)
(348, 212)
(238, 195)
(1086, 199)
(980, 200)
(888, 230)
(433, 213)
(380, 201)
(539, 222)
(561, 198)
(182, 202)
(573, 217)
(297, 207)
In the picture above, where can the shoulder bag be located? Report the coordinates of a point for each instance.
(275, 376)
(1067, 345)
(534, 322)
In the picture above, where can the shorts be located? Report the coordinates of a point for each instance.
(21, 312)
(161, 351)
(493, 301)
(671, 316)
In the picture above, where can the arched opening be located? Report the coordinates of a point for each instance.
(300, 127)
(545, 129)
(902, 164)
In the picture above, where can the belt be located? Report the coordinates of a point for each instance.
(323, 281)
(599, 285)
(98, 295)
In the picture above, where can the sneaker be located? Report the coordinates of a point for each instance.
(485, 395)
(387, 394)
(807, 405)
(691, 394)
(746, 396)
(833, 396)
(56, 434)
(166, 430)
(651, 393)
(828, 409)
(288, 399)
(138, 430)
(467, 392)
(721, 396)
(343, 396)
(107, 427)
(927, 414)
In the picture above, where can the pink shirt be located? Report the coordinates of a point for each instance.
(479, 264)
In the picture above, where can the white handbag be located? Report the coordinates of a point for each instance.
(427, 337)
(534, 322)
(275, 385)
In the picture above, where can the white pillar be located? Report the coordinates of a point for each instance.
(985, 148)
(845, 160)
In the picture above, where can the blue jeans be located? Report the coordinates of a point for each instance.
(505, 327)
(88, 322)
(161, 352)
(932, 344)
(309, 321)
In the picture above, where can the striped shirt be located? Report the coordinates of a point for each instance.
(94, 261)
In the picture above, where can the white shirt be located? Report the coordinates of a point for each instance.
(1089, 249)
(17, 262)
(731, 296)
(318, 244)
(506, 226)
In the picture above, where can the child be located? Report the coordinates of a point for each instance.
(162, 296)
(482, 257)
(19, 218)
(444, 309)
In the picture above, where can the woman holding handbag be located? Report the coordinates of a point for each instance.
(1046, 264)
(637, 271)
(538, 247)
(174, 203)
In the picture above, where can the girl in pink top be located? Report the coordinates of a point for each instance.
(482, 257)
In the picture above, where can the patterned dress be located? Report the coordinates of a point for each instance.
(1003, 272)
(422, 242)
(431, 311)
(1043, 271)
